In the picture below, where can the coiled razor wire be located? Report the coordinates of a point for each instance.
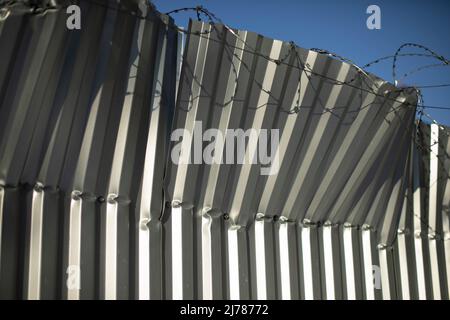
(361, 74)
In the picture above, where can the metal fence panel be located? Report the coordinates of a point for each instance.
(353, 205)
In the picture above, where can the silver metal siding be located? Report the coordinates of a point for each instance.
(92, 207)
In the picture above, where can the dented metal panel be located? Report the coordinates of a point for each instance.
(355, 155)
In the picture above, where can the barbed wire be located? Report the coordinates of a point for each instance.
(293, 59)
(360, 70)
(419, 46)
(305, 68)
(302, 66)
(360, 73)
(433, 86)
(212, 19)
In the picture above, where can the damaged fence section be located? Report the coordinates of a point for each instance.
(349, 200)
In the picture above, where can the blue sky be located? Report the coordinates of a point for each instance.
(340, 27)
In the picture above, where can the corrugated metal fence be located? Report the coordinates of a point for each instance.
(92, 205)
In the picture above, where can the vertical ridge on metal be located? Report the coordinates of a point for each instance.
(335, 155)
(425, 219)
(83, 114)
(354, 203)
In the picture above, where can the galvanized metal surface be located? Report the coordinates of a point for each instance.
(93, 207)
(421, 252)
(84, 113)
(343, 165)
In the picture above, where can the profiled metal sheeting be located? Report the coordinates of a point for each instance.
(84, 119)
(343, 163)
(335, 137)
(92, 205)
(422, 249)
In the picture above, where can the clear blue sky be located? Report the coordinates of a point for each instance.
(340, 27)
